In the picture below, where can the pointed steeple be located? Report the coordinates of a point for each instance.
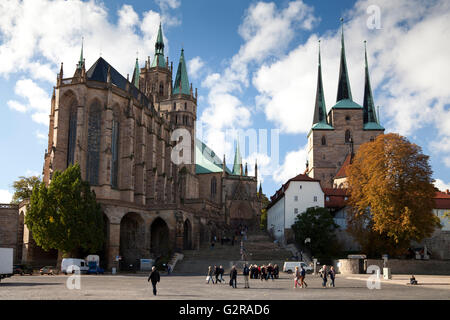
(368, 105)
(344, 91)
(136, 74)
(320, 110)
(181, 84)
(260, 189)
(237, 160)
(81, 62)
(158, 60)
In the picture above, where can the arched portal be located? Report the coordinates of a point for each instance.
(103, 253)
(159, 231)
(132, 239)
(187, 235)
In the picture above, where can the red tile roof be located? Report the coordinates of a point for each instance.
(342, 173)
(335, 198)
(442, 200)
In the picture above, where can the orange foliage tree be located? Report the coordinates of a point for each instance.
(391, 195)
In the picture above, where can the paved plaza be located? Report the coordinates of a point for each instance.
(136, 287)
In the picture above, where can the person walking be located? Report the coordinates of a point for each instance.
(263, 273)
(302, 277)
(323, 275)
(246, 272)
(276, 271)
(217, 273)
(269, 272)
(296, 277)
(221, 272)
(233, 277)
(332, 274)
(209, 275)
(154, 277)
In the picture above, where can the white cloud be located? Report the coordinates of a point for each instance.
(194, 67)
(41, 136)
(167, 17)
(5, 196)
(15, 105)
(266, 31)
(294, 164)
(441, 185)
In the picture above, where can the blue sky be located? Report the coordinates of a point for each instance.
(254, 64)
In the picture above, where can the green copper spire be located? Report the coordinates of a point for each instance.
(80, 63)
(368, 105)
(237, 161)
(344, 91)
(320, 110)
(158, 60)
(136, 74)
(181, 80)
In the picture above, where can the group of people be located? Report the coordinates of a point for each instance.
(264, 272)
(216, 272)
(324, 273)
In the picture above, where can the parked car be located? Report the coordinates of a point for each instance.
(68, 264)
(289, 266)
(22, 269)
(48, 270)
(94, 268)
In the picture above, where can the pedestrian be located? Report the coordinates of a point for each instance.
(154, 276)
(209, 275)
(221, 272)
(276, 271)
(302, 277)
(296, 277)
(246, 272)
(233, 277)
(217, 273)
(269, 272)
(263, 273)
(323, 275)
(332, 274)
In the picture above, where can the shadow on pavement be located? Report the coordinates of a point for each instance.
(26, 284)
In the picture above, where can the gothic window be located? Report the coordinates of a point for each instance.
(324, 140)
(174, 106)
(72, 135)
(93, 150)
(161, 89)
(213, 187)
(347, 135)
(185, 106)
(372, 139)
(115, 153)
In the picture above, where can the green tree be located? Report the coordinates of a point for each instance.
(264, 203)
(23, 188)
(65, 215)
(318, 225)
(391, 187)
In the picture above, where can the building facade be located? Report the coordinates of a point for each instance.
(123, 134)
(292, 199)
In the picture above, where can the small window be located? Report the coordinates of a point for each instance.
(315, 198)
(323, 157)
(372, 139)
(327, 198)
(347, 118)
(296, 210)
(300, 186)
(324, 141)
(295, 198)
(174, 106)
(185, 106)
(346, 198)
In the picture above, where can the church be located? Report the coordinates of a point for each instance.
(335, 137)
(119, 130)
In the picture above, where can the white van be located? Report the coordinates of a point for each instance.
(289, 266)
(68, 263)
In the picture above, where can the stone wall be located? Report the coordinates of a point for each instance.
(398, 266)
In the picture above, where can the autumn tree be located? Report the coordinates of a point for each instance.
(65, 215)
(23, 188)
(391, 195)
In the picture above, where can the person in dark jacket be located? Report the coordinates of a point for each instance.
(263, 273)
(302, 277)
(332, 274)
(323, 274)
(269, 272)
(233, 277)
(154, 276)
(217, 273)
(221, 272)
(246, 272)
(276, 271)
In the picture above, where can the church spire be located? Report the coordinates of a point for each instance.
(158, 60)
(320, 111)
(237, 160)
(181, 80)
(368, 105)
(136, 74)
(81, 62)
(344, 91)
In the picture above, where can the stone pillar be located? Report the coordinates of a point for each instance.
(179, 230)
(113, 246)
(105, 145)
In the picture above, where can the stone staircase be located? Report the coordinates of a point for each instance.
(258, 248)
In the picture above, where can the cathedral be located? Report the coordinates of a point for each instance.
(335, 137)
(120, 133)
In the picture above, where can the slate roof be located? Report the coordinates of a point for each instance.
(99, 72)
(206, 161)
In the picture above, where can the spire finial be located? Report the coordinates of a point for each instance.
(344, 91)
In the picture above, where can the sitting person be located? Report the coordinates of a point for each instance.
(412, 280)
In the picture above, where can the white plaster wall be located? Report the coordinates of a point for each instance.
(275, 219)
(306, 194)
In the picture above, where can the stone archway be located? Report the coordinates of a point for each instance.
(132, 239)
(187, 235)
(159, 232)
(103, 253)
